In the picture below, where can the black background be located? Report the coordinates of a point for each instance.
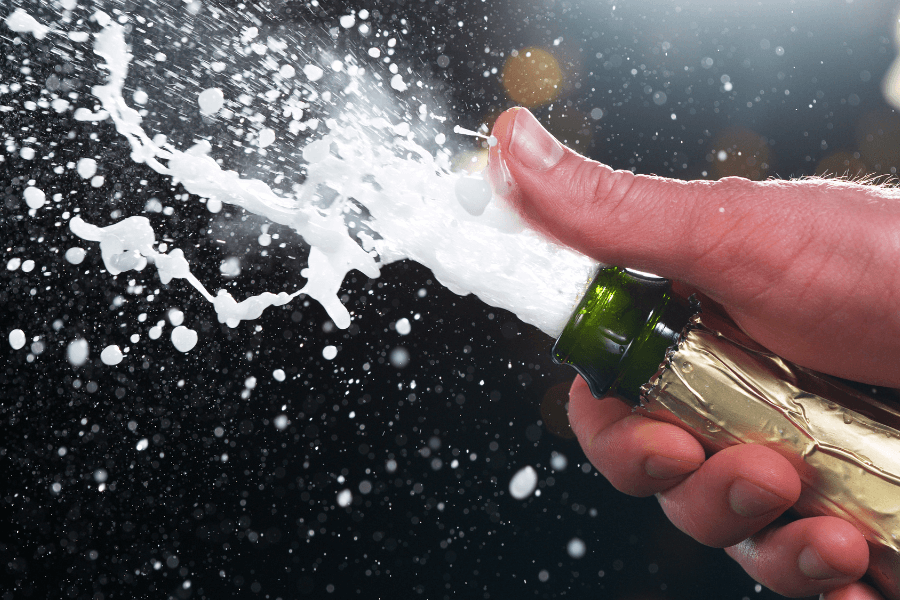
(266, 523)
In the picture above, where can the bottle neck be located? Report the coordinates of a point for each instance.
(618, 335)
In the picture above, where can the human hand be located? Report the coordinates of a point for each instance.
(804, 267)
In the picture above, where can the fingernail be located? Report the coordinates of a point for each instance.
(532, 145)
(812, 565)
(663, 467)
(749, 500)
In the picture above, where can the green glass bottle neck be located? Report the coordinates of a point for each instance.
(619, 333)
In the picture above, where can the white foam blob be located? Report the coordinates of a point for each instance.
(21, 22)
(75, 255)
(398, 84)
(111, 355)
(402, 326)
(473, 194)
(211, 101)
(278, 374)
(142, 445)
(77, 352)
(344, 498)
(13, 264)
(87, 167)
(287, 71)
(16, 339)
(281, 422)
(348, 21)
(266, 137)
(313, 73)
(34, 197)
(576, 548)
(523, 483)
(176, 317)
(184, 339)
(558, 461)
(399, 357)
(329, 352)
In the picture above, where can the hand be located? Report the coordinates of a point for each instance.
(807, 268)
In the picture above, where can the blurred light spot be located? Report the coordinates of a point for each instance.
(878, 136)
(842, 164)
(746, 154)
(532, 77)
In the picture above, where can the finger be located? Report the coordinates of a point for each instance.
(639, 456)
(736, 492)
(854, 591)
(806, 557)
(781, 255)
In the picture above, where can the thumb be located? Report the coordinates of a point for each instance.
(800, 265)
(645, 222)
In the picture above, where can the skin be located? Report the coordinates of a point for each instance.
(806, 268)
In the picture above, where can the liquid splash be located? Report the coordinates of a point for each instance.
(402, 202)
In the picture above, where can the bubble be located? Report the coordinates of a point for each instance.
(16, 339)
(111, 355)
(597, 114)
(523, 483)
(184, 339)
(77, 352)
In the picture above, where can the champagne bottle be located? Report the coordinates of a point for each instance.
(631, 336)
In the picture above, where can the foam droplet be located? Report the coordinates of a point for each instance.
(211, 101)
(87, 167)
(278, 374)
(523, 483)
(142, 445)
(111, 355)
(344, 498)
(474, 194)
(75, 255)
(77, 352)
(184, 339)
(34, 197)
(313, 73)
(329, 352)
(402, 326)
(16, 339)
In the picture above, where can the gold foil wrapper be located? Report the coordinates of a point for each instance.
(726, 389)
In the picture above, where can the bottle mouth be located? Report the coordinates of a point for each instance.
(619, 333)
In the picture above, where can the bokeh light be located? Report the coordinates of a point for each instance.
(878, 136)
(554, 412)
(532, 77)
(842, 164)
(741, 152)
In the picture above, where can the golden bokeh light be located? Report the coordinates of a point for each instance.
(740, 152)
(532, 77)
(842, 164)
(471, 161)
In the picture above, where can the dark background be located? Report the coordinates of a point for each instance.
(427, 450)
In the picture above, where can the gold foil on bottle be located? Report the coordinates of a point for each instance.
(726, 389)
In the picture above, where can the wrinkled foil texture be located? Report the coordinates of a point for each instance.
(726, 389)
